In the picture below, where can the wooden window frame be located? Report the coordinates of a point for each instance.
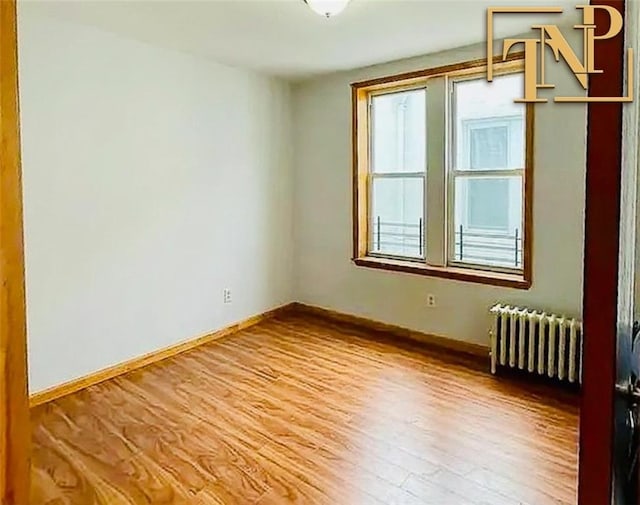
(360, 92)
(453, 172)
(373, 175)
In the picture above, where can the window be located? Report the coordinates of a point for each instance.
(398, 157)
(442, 167)
(487, 172)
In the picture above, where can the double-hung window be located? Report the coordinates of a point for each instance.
(397, 174)
(487, 173)
(442, 174)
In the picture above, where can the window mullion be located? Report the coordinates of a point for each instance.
(436, 186)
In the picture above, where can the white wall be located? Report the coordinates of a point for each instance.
(152, 180)
(325, 276)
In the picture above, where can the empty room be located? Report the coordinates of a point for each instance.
(318, 252)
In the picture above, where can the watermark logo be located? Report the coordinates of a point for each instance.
(551, 37)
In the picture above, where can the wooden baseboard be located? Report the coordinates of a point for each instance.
(447, 344)
(72, 386)
(443, 343)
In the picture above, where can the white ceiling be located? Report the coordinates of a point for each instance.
(285, 38)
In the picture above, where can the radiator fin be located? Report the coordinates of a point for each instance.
(542, 342)
(573, 337)
(551, 348)
(503, 334)
(531, 351)
(522, 318)
(512, 335)
(561, 345)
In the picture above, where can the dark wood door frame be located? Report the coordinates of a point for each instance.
(602, 218)
(15, 433)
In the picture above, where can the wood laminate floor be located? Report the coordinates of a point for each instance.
(298, 410)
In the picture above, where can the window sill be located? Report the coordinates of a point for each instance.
(453, 273)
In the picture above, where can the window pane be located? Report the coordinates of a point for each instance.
(489, 126)
(488, 221)
(488, 204)
(489, 147)
(397, 213)
(398, 132)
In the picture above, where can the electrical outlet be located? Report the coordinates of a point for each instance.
(226, 295)
(431, 300)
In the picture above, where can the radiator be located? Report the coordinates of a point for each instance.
(536, 342)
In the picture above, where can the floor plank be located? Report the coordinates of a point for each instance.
(300, 410)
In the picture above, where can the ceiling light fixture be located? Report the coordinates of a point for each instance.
(327, 8)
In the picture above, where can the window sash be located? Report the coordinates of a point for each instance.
(370, 217)
(451, 225)
(372, 128)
